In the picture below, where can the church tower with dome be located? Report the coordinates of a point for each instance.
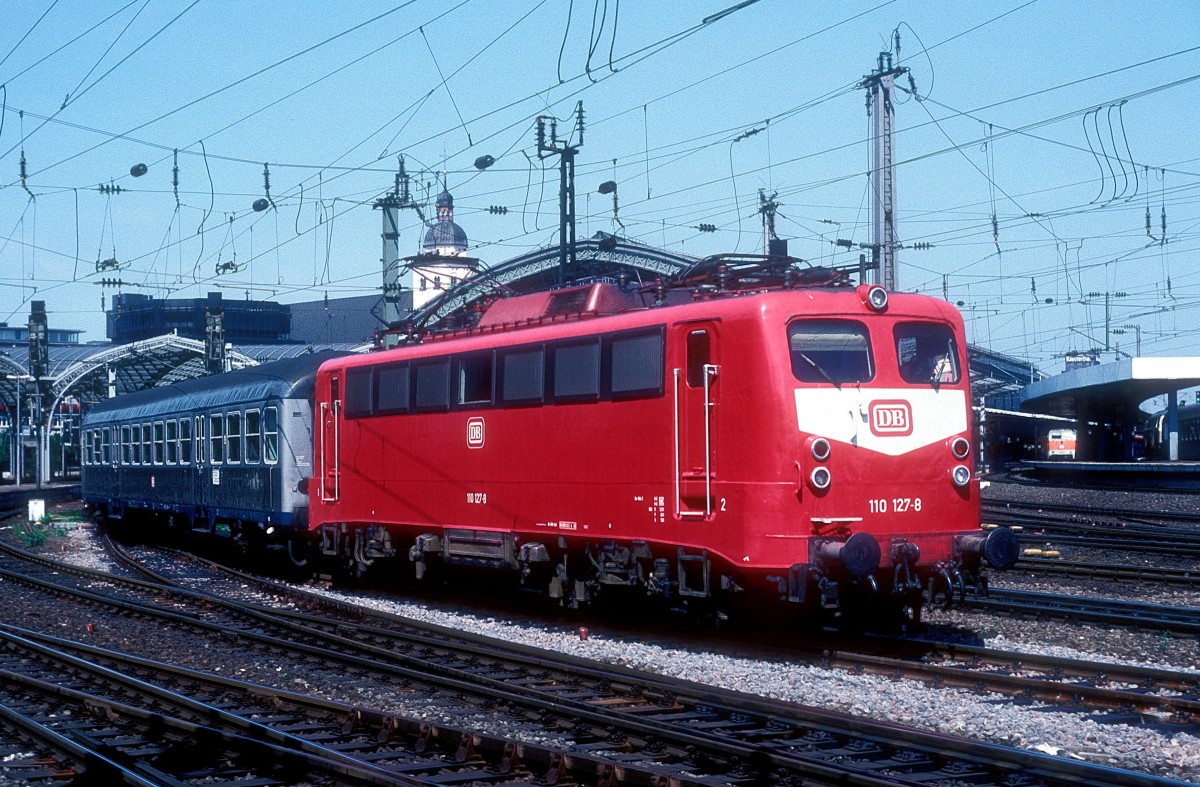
(443, 261)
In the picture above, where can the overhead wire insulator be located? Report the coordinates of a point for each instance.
(707, 227)
(498, 210)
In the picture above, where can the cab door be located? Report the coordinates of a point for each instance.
(329, 438)
(695, 391)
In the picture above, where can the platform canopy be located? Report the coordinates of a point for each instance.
(1110, 391)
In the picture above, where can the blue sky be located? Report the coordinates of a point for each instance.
(1066, 121)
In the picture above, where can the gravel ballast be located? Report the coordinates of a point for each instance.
(984, 717)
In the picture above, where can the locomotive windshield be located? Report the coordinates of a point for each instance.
(831, 351)
(927, 353)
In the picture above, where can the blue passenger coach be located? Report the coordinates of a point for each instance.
(226, 454)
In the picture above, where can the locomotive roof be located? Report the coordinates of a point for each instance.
(292, 378)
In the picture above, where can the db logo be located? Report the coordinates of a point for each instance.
(475, 433)
(891, 418)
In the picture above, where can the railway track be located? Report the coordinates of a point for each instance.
(682, 728)
(1131, 614)
(1184, 577)
(1056, 681)
(1166, 540)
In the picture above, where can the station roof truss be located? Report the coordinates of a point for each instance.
(539, 270)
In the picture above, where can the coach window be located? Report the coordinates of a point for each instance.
(198, 436)
(216, 438)
(147, 444)
(391, 389)
(159, 442)
(830, 351)
(475, 379)
(271, 435)
(577, 371)
(106, 456)
(233, 437)
(433, 385)
(97, 446)
(125, 452)
(637, 364)
(253, 436)
(522, 375)
(185, 441)
(358, 392)
(172, 442)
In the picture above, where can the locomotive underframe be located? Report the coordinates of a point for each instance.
(576, 571)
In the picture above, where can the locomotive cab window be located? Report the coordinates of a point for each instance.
(699, 354)
(927, 353)
(830, 351)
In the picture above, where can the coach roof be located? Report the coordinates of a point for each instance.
(293, 378)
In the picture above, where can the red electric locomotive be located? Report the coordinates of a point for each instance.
(737, 435)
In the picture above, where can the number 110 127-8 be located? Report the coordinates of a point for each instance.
(901, 505)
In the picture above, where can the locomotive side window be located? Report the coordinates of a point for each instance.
(216, 438)
(172, 442)
(927, 353)
(392, 389)
(699, 354)
(233, 437)
(358, 392)
(522, 373)
(577, 371)
(271, 435)
(185, 441)
(475, 379)
(637, 364)
(830, 351)
(433, 385)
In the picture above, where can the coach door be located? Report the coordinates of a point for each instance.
(695, 392)
(330, 414)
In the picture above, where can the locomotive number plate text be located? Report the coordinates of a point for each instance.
(900, 505)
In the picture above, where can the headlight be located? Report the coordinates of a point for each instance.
(961, 475)
(820, 449)
(874, 296)
(820, 478)
(960, 448)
